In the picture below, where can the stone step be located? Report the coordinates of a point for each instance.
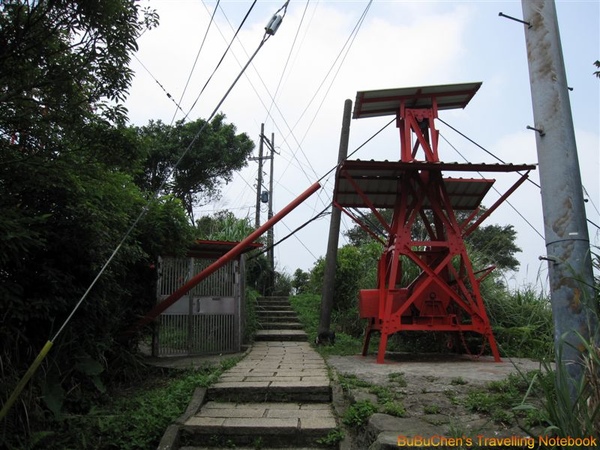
(259, 425)
(274, 308)
(282, 326)
(275, 371)
(278, 318)
(276, 312)
(260, 306)
(276, 391)
(281, 335)
(273, 300)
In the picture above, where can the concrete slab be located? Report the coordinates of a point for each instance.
(259, 426)
(474, 371)
(299, 414)
(317, 423)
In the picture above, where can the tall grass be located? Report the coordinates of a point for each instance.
(308, 308)
(522, 322)
(572, 406)
(568, 415)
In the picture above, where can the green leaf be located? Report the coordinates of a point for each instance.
(89, 366)
(54, 396)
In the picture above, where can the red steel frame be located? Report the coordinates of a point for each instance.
(445, 296)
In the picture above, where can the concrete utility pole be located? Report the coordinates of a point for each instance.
(259, 199)
(259, 180)
(334, 232)
(270, 234)
(565, 227)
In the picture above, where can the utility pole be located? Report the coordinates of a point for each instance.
(334, 232)
(260, 198)
(270, 234)
(565, 227)
(260, 171)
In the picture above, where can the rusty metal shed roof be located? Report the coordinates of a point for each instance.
(384, 102)
(379, 180)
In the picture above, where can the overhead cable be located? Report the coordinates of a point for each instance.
(222, 58)
(323, 213)
(287, 60)
(498, 159)
(346, 47)
(159, 84)
(496, 190)
(359, 147)
(482, 148)
(212, 18)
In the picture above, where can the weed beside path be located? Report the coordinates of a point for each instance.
(132, 416)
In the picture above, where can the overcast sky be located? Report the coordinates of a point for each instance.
(300, 78)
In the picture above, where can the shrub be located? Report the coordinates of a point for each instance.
(522, 323)
(358, 414)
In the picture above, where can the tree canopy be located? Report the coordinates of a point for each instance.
(191, 166)
(73, 180)
(489, 244)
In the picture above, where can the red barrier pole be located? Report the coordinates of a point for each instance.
(231, 254)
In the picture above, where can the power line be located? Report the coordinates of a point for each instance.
(360, 146)
(496, 190)
(482, 148)
(222, 57)
(323, 213)
(347, 44)
(287, 60)
(212, 18)
(498, 159)
(300, 166)
(351, 38)
(159, 84)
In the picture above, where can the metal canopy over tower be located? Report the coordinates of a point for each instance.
(426, 281)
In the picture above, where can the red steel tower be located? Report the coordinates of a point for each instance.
(444, 295)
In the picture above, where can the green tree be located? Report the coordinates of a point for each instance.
(489, 245)
(300, 281)
(210, 159)
(223, 226)
(356, 269)
(68, 197)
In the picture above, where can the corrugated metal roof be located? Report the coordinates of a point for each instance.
(384, 102)
(380, 181)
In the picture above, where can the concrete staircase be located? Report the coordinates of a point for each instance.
(277, 397)
(278, 321)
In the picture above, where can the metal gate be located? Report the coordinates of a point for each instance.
(207, 319)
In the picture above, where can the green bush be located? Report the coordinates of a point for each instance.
(394, 408)
(134, 420)
(251, 321)
(522, 323)
(358, 414)
(570, 408)
(356, 269)
(308, 308)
